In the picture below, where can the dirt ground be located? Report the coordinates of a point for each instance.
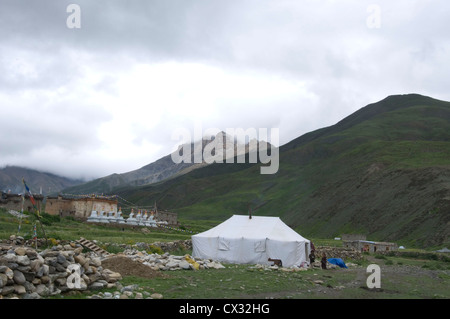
(128, 267)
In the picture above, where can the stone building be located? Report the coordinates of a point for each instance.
(370, 246)
(14, 202)
(80, 207)
(170, 218)
(360, 243)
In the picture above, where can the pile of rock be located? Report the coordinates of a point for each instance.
(168, 246)
(39, 242)
(19, 240)
(127, 292)
(26, 273)
(170, 262)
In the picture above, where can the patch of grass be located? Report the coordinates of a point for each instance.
(235, 281)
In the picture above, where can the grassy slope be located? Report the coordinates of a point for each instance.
(384, 171)
(67, 228)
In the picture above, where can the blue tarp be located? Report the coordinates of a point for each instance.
(337, 261)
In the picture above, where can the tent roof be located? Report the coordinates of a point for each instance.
(258, 227)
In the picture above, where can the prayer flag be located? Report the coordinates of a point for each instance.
(34, 232)
(29, 192)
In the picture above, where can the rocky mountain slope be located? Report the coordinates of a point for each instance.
(162, 169)
(11, 180)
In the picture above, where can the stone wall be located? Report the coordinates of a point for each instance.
(14, 202)
(78, 207)
(29, 274)
(170, 218)
(338, 252)
(56, 206)
(372, 247)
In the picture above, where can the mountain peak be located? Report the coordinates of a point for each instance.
(11, 180)
(165, 168)
(368, 112)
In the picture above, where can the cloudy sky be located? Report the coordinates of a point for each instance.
(100, 87)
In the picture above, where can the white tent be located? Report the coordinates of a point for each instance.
(244, 240)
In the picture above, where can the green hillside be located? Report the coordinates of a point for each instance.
(98, 186)
(383, 171)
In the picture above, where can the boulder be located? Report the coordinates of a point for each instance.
(33, 295)
(23, 260)
(218, 266)
(96, 285)
(32, 254)
(42, 290)
(96, 261)
(138, 296)
(111, 276)
(185, 265)
(45, 279)
(19, 278)
(93, 277)
(61, 259)
(80, 259)
(19, 289)
(8, 258)
(20, 251)
(7, 290)
(35, 265)
(9, 273)
(172, 264)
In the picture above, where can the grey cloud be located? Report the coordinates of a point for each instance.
(65, 125)
(326, 45)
